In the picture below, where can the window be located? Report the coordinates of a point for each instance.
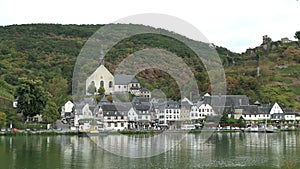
(101, 83)
(110, 84)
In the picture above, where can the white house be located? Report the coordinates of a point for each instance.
(171, 112)
(126, 83)
(115, 117)
(206, 110)
(67, 109)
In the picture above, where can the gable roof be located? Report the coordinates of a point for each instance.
(120, 109)
(121, 79)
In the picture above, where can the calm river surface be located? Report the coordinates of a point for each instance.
(222, 150)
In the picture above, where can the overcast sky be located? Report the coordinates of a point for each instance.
(234, 24)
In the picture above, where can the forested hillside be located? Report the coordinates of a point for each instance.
(48, 52)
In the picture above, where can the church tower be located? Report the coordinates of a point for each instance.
(101, 58)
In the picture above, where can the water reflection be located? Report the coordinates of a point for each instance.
(231, 150)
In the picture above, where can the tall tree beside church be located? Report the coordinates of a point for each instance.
(92, 89)
(297, 35)
(32, 97)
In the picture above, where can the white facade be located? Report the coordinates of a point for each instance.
(121, 88)
(206, 110)
(254, 117)
(101, 78)
(115, 122)
(291, 117)
(172, 114)
(201, 112)
(194, 114)
(276, 109)
(68, 106)
(132, 115)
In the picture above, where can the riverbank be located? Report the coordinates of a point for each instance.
(125, 132)
(44, 133)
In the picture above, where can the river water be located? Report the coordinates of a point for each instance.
(221, 150)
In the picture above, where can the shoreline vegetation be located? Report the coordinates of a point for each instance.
(125, 132)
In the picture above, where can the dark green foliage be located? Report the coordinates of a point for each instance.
(32, 97)
(297, 35)
(50, 113)
(101, 91)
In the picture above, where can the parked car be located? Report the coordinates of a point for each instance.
(33, 129)
(3, 130)
(64, 121)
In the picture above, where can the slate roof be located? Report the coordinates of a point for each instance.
(120, 109)
(121, 79)
(171, 104)
(226, 100)
(186, 105)
(144, 90)
(141, 101)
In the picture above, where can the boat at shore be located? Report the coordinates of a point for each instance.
(86, 129)
(269, 129)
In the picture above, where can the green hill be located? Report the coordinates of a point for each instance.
(49, 51)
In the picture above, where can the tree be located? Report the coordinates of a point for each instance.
(101, 91)
(92, 89)
(59, 89)
(32, 97)
(241, 122)
(50, 113)
(2, 119)
(224, 118)
(297, 35)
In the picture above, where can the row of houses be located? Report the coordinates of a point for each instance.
(144, 112)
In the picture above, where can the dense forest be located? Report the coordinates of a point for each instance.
(48, 52)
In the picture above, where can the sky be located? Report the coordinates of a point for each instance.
(234, 24)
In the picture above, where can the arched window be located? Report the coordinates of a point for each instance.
(101, 83)
(110, 84)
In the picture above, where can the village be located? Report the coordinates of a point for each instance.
(145, 112)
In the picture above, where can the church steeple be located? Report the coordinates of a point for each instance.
(101, 58)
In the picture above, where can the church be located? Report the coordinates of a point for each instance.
(102, 77)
